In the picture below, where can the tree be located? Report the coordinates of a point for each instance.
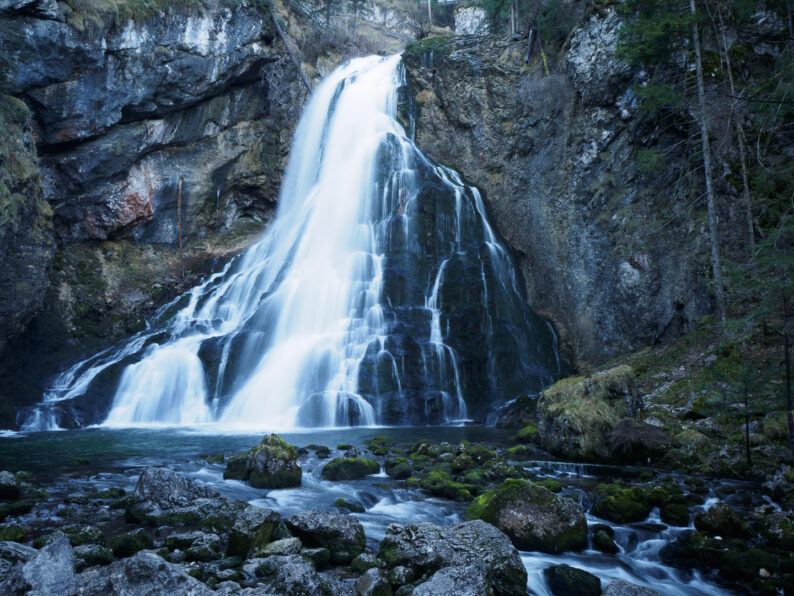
(657, 34)
(356, 6)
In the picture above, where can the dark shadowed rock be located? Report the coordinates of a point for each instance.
(373, 583)
(620, 587)
(164, 497)
(565, 580)
(470, 580)
(252, 528)
(290, 575)
(722, 520)
(340, 533)
(271, 464)
(533, 517)
(9, 489)
(144, 573)
(426, 548)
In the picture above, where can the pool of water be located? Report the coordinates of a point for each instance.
(69, 461)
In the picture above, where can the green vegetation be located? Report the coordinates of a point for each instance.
(349, 468)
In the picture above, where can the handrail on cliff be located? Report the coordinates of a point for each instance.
(295, 60)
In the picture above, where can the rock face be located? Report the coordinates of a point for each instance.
(563, 187)
(271, 464)
(108, 108)
(425, 548)
(26, 243)
(50, 571)
(532, 517)
(340, 533)
(252, 528)
(164, 497)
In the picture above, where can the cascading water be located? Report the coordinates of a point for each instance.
(379, 295)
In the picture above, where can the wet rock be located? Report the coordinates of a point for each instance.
(12, 532)
(349, 468)
(620, 587)
(398, 468)
(128, 544)
(86, 535)
(401, 575)
(373, 583)
(470, 580)
(271, 464)
(620, 504)
(534, 518)
(517, 413)
(603, 539)
(340, 533)
(291, 575)
(163, 497)
(252, 528)
(363, 562)
(426, 548)
(319, 557)
(89, 555)
(675, 514)
(204, 548)
(14, 508)
(9, 489)
(352, 507)
(722, 520)
(564, 580)
(51, 571)
(285, 546)
(144, 573)
(776, 527)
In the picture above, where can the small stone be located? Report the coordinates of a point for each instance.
(372, 583)
(286, 546)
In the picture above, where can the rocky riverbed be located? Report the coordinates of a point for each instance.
(388, 512)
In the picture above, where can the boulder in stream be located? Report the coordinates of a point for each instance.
(349, 468)
(564, 580)
(253, 527)
(271, 464)
(533, 517)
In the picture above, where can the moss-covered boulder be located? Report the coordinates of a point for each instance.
(271, 464)
(252, 528)
(349, 468)
(624, 504)
(576, 415)
(527, 434)
(533, 517)
(440, 484)
(128, 544)
(564, 580)
(9, 488)
(722, 520)
(398, 468)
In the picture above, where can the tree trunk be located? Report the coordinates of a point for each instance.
(787, 360)
(429, 15)
(747, 427)
(295, 60)
(530, 43)
(748, 205)
(513, 18)
(179, 226)
(716, 265)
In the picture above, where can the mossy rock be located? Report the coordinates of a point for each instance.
(564, 580)
(722, 520)
(746, 565)
(441, 484)
(576, 415)
(398, 468)
(551, 484)
(621, 505)
(528, 434)
(349, 468)
(352, 507)
(127, 545)
(13, 533)
(520, 453)
(533, 517)
(675, 514)
(605, 543)
(321, 451)
(271, 464)
(85, 535)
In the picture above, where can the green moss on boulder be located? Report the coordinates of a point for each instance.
(349, 468)
(271, 464)
(533, 517)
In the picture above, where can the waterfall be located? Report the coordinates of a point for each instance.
(378, 295)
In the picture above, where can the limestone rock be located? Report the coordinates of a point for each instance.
(51, 571)
(621, 587)
(252, 528)
(532, 517)
(426, 548)
(469, 580)
(340, 533)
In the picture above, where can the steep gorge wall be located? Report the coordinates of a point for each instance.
(607, 251)
(104, 111)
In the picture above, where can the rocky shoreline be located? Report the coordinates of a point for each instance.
(173, 533)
